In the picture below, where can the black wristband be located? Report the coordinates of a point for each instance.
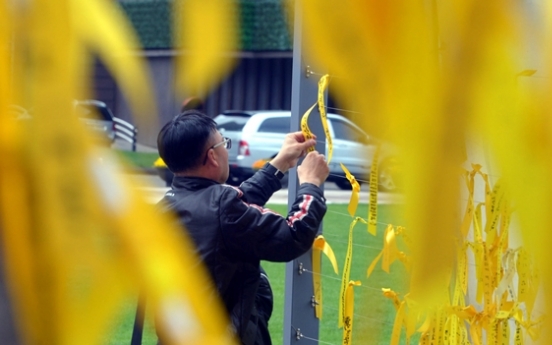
(272, 170)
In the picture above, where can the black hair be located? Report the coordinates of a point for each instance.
(182, 141)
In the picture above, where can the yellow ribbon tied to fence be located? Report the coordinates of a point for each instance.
(373, 209)
(346, 272)
(353, 202)
(399, 307)
(349, 310)
(322, 85)
(389, 253)
(320, 246)
(307, 133)
(305, 126)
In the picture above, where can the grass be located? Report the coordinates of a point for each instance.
(139, 160)
(374, 314)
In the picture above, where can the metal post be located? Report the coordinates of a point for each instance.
(138, 329)
(299, 314)
(134, 139)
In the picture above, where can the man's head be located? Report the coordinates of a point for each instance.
(190, 144)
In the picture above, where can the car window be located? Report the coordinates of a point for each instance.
(234, 124)
(275, 125)
(345, 131)
(93, 112)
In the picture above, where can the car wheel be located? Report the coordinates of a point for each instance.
(343, 183)
(388, 175)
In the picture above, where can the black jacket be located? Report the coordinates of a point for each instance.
(233, 233)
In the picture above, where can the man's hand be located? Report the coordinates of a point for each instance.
(294, 147)
(314, 169)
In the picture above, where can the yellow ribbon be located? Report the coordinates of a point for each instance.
(389, 253)
(401, 317)
(320, 246)
(504, 226)
(468, 215)
(507, 282)
(353, 202)
(528, 281)
(397, 326)
(518, 338)
(491, 225)
(322, 85)
(305, 126)
(348, 312)
(346, 272)
(462, 270)
(373, 209)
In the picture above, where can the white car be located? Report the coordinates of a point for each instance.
(259, 135)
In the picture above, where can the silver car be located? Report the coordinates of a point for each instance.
(258, 135)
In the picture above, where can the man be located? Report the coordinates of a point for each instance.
(230, 228)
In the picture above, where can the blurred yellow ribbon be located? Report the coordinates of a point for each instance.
(320, 246)
(353, 202)
(208, 33)
(77, 239)
(349, 307)
(114, 40)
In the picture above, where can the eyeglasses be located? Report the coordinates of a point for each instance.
(226, 142)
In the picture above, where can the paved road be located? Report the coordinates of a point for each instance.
(154, 189)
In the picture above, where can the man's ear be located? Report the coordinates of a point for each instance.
(212, 158)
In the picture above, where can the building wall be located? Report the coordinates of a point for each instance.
(259, 82)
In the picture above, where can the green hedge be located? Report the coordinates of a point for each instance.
(263, 24)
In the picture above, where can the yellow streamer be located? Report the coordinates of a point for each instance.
(322, 85)
(389, 253)
(353, 202)
(349, 312)
(468, 215)
(320, 246)
(208, 31)
(397, 326)
(305, 126)
(77, 239)
(373, 208)
(346, 272)
(114, 40)
(518, 338)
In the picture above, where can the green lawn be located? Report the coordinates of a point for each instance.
(374, 314)
(138, 160)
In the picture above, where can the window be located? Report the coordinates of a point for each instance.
(275, 125)
(346, 131)
(231, 124)
(95, 112)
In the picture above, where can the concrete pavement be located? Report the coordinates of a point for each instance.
(154, 194)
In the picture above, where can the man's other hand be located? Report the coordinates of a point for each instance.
(313, 169)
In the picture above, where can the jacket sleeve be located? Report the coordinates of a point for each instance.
(259, 188)
(253, 232)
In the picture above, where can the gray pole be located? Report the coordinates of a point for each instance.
(299, 316)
